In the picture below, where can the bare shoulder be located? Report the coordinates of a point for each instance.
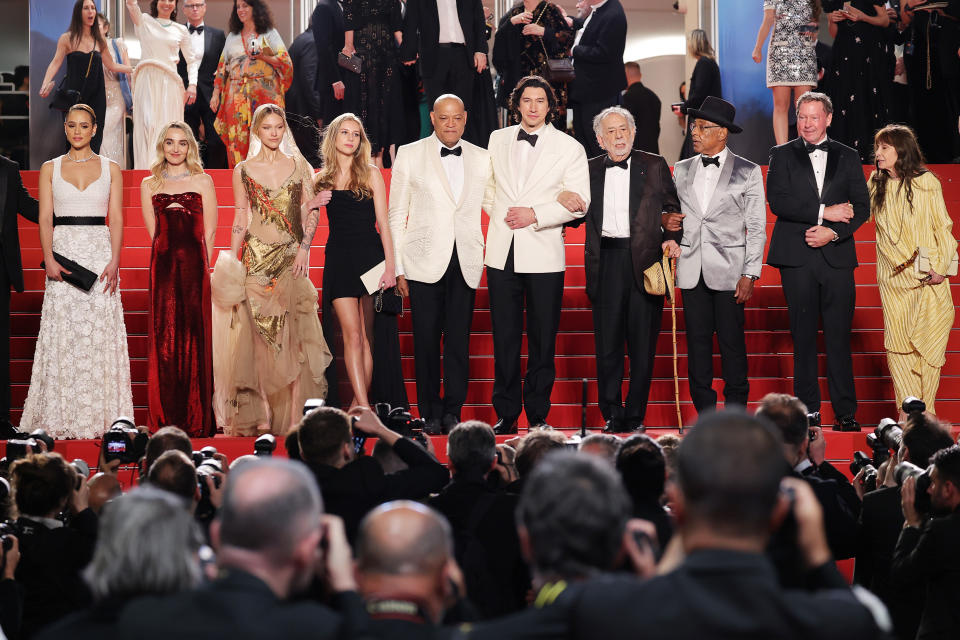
(203, 180)
(376, 178)
(46, 169)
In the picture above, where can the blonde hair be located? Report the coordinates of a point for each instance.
(159, 165)
(699, 45)
(86, 109)
(359, 183)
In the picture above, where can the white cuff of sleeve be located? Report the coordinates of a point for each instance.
(820, 215)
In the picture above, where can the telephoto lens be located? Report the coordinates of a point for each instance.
(862, 461)
(265, 445)
(906, 470)
(889, 433)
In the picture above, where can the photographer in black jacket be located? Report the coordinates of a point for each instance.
(353, 484)
(928, 554)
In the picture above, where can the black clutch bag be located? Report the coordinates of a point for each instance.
(64, 98)
(388, 301)
(350, 63)
(79, 276)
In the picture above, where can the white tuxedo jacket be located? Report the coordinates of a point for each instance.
(426, 219)
(560, 164)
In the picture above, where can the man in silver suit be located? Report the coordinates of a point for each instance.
(722, 199)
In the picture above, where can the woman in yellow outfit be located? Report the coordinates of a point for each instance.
(912, 222)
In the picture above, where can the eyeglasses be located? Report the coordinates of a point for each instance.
(198, 5)
(700, 127)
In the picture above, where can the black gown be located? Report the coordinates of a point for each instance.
(859, 78)
(90, 86)
(704, 81)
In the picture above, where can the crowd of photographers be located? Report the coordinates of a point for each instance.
(732, 531)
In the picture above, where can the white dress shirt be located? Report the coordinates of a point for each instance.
(196, 42)
(705, 183)
(450, 29)
(616, 203)
(576, 40)
(453, 167)
(819, 161)
(524, 154)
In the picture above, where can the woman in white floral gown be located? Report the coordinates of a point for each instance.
(81, 371)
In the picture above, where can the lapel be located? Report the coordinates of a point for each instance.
(431, 148)
(722, 182)
(505, 152)
(688, 184)
(637, 180)
(803, 158)
(597, 16)
(4, 175)
(833, 158)
(468, 167)
(544, 160)
(597, 181)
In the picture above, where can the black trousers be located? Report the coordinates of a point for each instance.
(623, 312)
(707, 312)
(442, 311)
(583, 115)
(453, 73)
(813, 291)
(212, 151)
(4, 345)
(542, 293)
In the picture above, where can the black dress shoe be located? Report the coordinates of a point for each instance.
(432, 427)
(449, 421)
(614, 425)
(540, 426)
(847, 423)
(505, 426)
(635, 425)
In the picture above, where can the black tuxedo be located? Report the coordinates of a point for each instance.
(213, 151)
(328, 27)
(444, 68)
(644, 105)
(817, 278)
(302, 99)
(15, 200)
(600, 77)
(614, 267)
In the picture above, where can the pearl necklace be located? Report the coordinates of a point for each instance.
(87, 159)
(179, 176)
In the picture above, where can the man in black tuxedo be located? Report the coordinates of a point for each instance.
(598, 60)
(644, 104)
(207, 41)
(338, 88)
(630, 192)
(449, 38)
(304, 110)
(15, 200)
(816, 189)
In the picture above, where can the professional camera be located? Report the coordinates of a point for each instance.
(906, 470)
(8, 528)
(312, 403)
(124, 442)
(889, 433)
(19, 446)
(913, 404)
(199, 457)
(82, 469)
(265, 445)
(862, 461)
(881, 453)
(208, 468)
(399, 419)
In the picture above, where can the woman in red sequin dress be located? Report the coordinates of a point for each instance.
(180, 212)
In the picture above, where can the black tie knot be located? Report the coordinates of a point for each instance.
(444, 151)
(609, 163)
(527, 137)
(816, 147)
(193, 29)
(715, 161)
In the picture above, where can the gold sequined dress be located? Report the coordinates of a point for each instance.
(275, 356)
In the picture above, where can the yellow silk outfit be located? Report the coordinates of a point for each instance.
(917, 319)
(270, 351)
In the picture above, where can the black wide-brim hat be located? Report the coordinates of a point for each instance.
(717, 111)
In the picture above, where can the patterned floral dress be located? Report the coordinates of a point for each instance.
(791, 55)
(244, 84)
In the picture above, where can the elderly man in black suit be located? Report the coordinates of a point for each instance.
(15, 200)
(598, 60)
(816, 189)
(630, 193)
(208, 42)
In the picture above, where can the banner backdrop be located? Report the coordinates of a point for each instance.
(744, 81)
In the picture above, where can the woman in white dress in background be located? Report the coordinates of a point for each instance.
(158, 95)
(114, 142)
(81, 370)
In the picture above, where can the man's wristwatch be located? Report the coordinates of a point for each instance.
(747, 275)
(836, 236)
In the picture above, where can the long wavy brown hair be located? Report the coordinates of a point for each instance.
(910, 163)
(76, 27)
(159, 165)
(359, 182)
(815, 10)
(262, 17)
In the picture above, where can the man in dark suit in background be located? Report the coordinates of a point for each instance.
(449, 38)
(15, 200)
(304, 110)
(208, 42)
(645, 107)
(630, 192)
(598, 61)
(816, 189)
(338, 88)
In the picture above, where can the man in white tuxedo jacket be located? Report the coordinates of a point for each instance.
(436, 195)
(724, 232)
(537, 169)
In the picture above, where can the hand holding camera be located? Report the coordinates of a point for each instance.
(908, 498)
(811, 535)
(337, 564)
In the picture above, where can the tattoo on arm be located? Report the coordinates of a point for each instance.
(310, 228)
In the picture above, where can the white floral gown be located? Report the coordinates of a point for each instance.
(81, 370)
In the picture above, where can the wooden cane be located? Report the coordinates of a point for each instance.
(673, 314)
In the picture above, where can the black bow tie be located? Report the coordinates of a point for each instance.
(527, 137)
(609, 163)
(715, 161)
(444, 152)
(816, 147)
(193, 29)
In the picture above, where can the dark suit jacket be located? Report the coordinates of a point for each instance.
(15, 199)
(302, 97)
(239, 605)
(929, 559)
(644, 105)
(401, 629)
(652, 192)
(598, 57)
(704, 82)
(792, 194)
(328, 27)
(213, 41)
(421, 31)
(721, 594)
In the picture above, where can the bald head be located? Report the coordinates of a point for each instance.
(104, 487)
(403, 538)
(449, 117)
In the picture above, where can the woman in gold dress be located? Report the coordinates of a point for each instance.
(906, 201)
(269, 352)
